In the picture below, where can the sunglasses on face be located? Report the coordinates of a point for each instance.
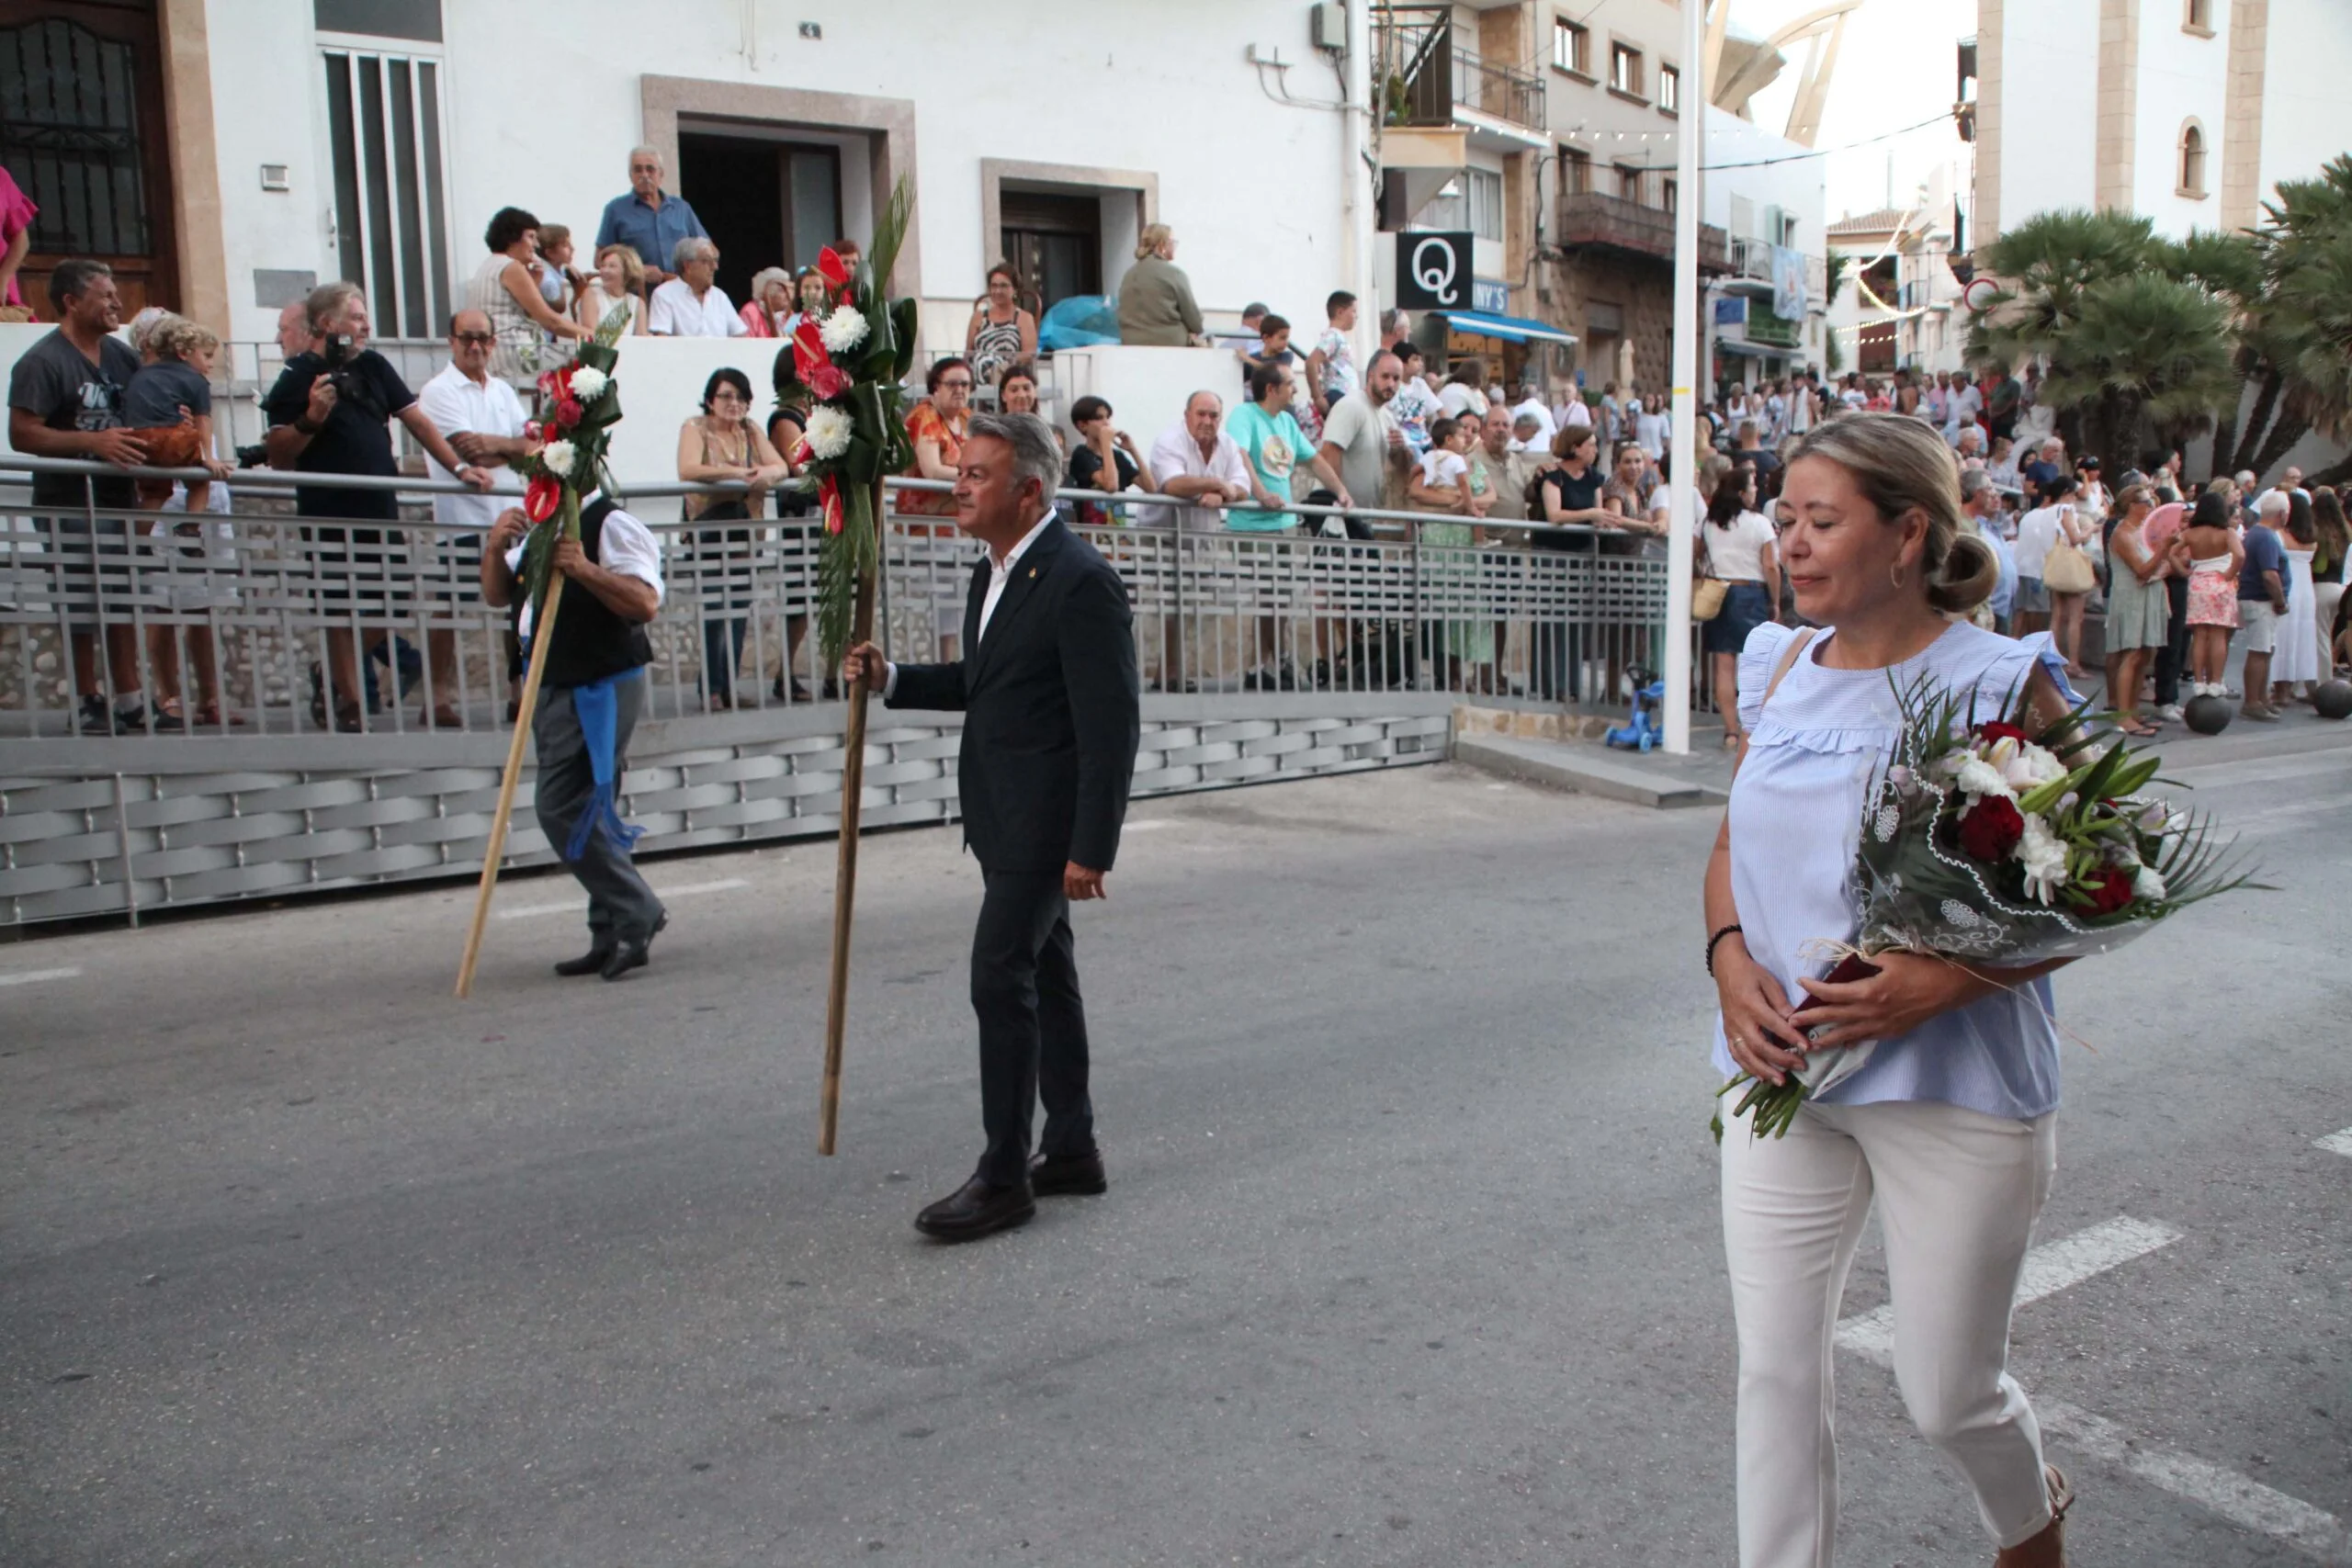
(482, 338)
(955, 384)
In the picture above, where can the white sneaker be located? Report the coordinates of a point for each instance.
(2169, 713)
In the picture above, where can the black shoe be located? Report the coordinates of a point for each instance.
(977, 1208)
(1077, 1175)
(592, 961)
(96, 717)
(632, 952)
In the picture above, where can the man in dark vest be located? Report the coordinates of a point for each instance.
(589, 699)
(1048, 689)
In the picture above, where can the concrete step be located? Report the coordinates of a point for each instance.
(1587, 769)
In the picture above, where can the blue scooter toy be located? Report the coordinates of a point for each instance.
(1643, 730)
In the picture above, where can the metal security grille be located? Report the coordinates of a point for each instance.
(391, 233)
(69, 134)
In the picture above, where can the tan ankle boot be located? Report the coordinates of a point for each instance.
(2047, 1550)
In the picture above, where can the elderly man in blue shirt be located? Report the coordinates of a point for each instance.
(648, 220)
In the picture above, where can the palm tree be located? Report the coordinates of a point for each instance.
(2146, 355)
(2133, 330)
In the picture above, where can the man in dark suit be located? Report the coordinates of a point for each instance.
(1047, 690)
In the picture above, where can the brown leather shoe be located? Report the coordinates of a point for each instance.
(1079, 1176)
(2048, 1548)
(977, 1208)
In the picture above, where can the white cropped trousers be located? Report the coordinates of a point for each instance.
(1958, 1193)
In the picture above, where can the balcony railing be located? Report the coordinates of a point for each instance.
(1589, 218)
(1428, 72)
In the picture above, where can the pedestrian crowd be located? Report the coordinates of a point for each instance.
(2179, 569)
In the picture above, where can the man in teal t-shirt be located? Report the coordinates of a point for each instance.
(1275, 447)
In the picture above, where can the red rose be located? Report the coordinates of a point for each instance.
(568, 411)
(828, 381)
(2111, 890)
(541, 496)
(1994, 730)
(1991, 829)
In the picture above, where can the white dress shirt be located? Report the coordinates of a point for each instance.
(1177, 456)
(999, 573)
(625, 547)
(455, 402)
(675, 312)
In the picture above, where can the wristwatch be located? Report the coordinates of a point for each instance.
(308, 425)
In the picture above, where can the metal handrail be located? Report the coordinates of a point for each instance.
(283, 480)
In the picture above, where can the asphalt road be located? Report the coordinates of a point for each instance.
(1411, 1255)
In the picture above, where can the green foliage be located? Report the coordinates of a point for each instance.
(2143, 349)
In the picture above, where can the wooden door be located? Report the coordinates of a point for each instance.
(82, 132)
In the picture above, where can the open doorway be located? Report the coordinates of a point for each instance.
(1055, 244)
(765, 202)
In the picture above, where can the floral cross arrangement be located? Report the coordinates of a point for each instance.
(2004, 844)
(565, 455)
(848, 362)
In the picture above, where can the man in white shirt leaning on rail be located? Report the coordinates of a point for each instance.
(1194, 460)
(483, 420)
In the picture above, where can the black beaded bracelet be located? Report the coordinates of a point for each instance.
(1710, 945)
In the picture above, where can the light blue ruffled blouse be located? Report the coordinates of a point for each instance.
(1796, 815)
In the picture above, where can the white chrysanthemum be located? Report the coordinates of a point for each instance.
(558, 455)
(828, 431)
(2043, 855)
(1980, 778)
(844, 330)
(588, 383)
(2148, 884)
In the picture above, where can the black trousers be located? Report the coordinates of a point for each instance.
(1032, 1023)
(2172, 659)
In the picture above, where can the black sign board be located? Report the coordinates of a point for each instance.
(1433, 271)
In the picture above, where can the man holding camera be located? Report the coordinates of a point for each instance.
(328, 414)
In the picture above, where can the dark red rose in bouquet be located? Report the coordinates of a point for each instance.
(567, 412)
(1991, 828)
(1993, 729)
(2111, 890)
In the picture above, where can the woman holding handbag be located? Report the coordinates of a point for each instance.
(2054, 576)
(1741, 555)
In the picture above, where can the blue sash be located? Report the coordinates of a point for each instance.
(597, 707)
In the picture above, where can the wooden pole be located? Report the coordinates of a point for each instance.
(541, 640)
(846, 873)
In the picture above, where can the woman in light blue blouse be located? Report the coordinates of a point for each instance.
(1950, 1124)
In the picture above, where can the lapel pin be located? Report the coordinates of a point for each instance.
(1033, 571)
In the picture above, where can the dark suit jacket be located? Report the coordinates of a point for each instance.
(1050, 710)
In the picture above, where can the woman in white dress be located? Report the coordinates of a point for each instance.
(1949, 1128)
(2296, 663)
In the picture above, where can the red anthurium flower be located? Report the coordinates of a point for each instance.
(835, 270)
(541, 497)
(1991, 828)
(2111, 890)
(831, 490)
(808, 350)
(568, 411)
(1994, 730)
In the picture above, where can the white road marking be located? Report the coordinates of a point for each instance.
(1148, 823)
(35, 976)
(2338, 1142)
(2070, 1260)
(576, 906)
(2049, 1269)
(2245, 1503)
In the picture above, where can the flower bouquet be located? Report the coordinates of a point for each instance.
(2001, 845)
(565, 458)
(847, 366)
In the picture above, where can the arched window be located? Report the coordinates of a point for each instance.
(2192, 160)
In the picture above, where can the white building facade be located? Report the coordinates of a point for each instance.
(2190, 111)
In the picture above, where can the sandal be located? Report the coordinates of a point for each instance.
(2061, 1497)
(346, 718)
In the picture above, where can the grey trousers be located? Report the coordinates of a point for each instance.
(618, 900)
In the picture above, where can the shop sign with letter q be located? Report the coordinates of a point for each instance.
(1433, 271)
